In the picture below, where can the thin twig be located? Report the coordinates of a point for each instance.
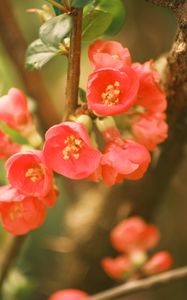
(12, 253)
(73, 75)
(141, 285)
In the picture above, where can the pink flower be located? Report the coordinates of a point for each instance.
(160, 262)
(14, 110)
(150, 94)
(150, 129)
(28, 172)
(117, 268)
(111, 92)
(70, 294)
(69, 152)
(128, 160)
(109, 54)
(7, 147)
(133, 235)
(20, 213)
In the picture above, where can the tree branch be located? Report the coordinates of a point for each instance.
(167, 3)
(141, 285)
(73, 75)
(16, 46)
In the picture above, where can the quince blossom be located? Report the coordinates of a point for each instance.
(14, 110)
(126, 160)
(150, 95)
(134, 234)
(109, 54)
(68, 151)
(150, 129)
(28, 172)
(20, 213)
(118, 267)
(111, 92)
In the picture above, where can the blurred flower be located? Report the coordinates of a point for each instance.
(159, 262)
(150, 129)
(7, 147)
(118, 268)
(70, 294)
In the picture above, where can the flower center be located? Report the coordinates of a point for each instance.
(35, 174)
(16, 211)
(73, 147)
(111, 95)
(115, 56)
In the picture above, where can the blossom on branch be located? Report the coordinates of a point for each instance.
(68, 151)
(109, 54)
(28, 172)
(111, 92)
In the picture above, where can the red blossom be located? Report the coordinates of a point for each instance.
(7, 147)
(159, 262)
(108, 54)
(117, 268)
(150, 94)
(150, 129)
(70, 294)
(20, 213)
(14, 110)
(28, 172)
(128, 160)
(68, 151)
(132, 235)
(111, 92)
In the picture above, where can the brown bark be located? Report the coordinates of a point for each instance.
(16, 46)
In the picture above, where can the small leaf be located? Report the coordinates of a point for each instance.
(95, 23)
(57, 10)
(82, 95)
(55, 30)
(38, 54)
(79, 3)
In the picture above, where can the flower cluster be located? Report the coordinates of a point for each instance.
(133, 238)
(117, 87)
(31, 189)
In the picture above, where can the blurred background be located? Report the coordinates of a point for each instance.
(66, 251)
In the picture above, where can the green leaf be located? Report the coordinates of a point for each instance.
(79, 3)
(115, 8)
(82, 95)
(57, 10)
(95, 23)
(38, 54)
(55, 30)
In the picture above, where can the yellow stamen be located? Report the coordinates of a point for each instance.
(35, 174)
(73, 147)
(111, 95)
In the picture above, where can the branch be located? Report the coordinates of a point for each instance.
(167, 3)
(12, 253)
(16, 46)
(73, 75)
(141, 285)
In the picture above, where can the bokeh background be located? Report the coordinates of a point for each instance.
(66, 251)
